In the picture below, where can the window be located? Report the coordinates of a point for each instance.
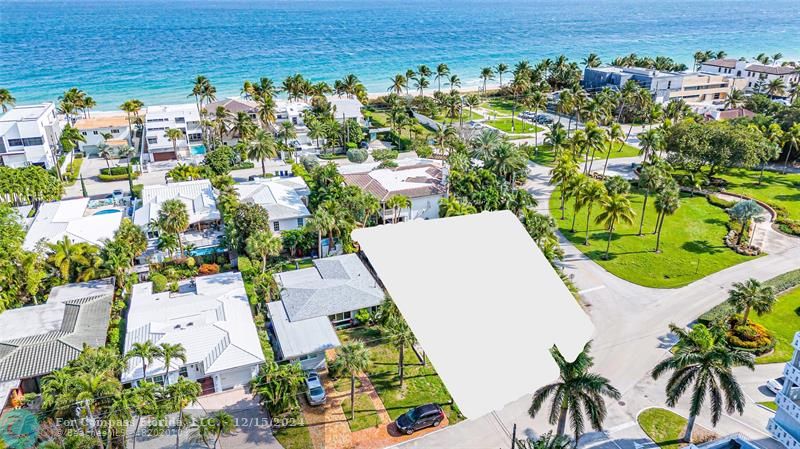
(300, 222)
(180, 120)
(33, 141)
(339, 317)
(152, 140)
(276, 226)
(114, 131)
(83, 132)
(95, 132)
(183, 372)
(15, 142)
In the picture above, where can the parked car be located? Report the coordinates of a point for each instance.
(543, 119)
(419, 418)
(316, 392)
(775, 385)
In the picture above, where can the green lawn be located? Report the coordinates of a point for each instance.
(783, 190)
(664, 427)
(691, 243)
(783, 322)
(302, 263)
(770, 405)
(293, 437)
(520, 127)
(466, 115)
(366, 416)
(500, 106)
(422, 385)
(545, 155)
(342, 384)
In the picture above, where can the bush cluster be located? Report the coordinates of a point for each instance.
(114, 171)
(719, 202)
(752, 337)
(208, 268)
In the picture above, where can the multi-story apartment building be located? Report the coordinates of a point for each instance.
(160, 118)
(29, 136)
(756, 74)
(785, 426)
(665, 86)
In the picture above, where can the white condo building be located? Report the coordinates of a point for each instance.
(29, 136)
(753, 72)
(160, 118)
(785, 426)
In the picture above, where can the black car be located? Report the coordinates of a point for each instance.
(419, 418)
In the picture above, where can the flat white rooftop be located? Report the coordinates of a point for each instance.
(69, 218)
(482, 300)
(23, 113)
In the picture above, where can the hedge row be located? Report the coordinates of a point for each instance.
(243, 165)
(121, 170)
(109, 178)
(780, 283)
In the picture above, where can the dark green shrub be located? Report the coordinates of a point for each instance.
(357, 155)
(244, 264)
(719, 202)
(159, 282)
(384, 155)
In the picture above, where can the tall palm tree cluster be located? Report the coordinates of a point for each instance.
(646, 62)
(73, 102)
(297, 87)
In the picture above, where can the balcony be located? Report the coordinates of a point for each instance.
(787, 405)
(782, 435)
(792, 374)
(796, 341)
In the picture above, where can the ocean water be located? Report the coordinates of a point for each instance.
(152, 49)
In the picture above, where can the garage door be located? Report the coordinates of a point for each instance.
(235, 378)
(163, 156)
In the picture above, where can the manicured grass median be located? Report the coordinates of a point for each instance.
(691, 243)
(664, 427)
(466, 116)
(770, 405)
(783, 322)
(545, 155)
(422, 385)
(520, 127)
(775, 188)
(500, 106)
(366, 416)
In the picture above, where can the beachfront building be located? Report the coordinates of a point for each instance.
(182, 116)
(313, 301)
(420, 180)
(37, 340)
(203, 234)
(758, 75)
(29, 136)
(347, 108)
(285, 200)
(210, 317)
(81, 220)
(665, 86)
(110, 129)
(233, 106)
(785, 426)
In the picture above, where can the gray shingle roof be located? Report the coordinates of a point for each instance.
(335, 285)
(82, 320)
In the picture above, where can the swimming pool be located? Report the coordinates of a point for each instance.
(206, 251)
(198, 149)
(108, 211)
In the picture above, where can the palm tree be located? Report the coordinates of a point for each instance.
(703, 363)
(562, 173)
(776, 87)
(593, 191)
(735, 99)
(400, 336)
(420, 82)
(651, 178)
(399, 82)
(592, 61)
(751, 294)
(616, 209)
(556, 137)
(6, 99)
(173, 134)
(354, 359)
(486, 74)
(791, 139)
(454, 82)
(180, 394)
(70, 137)
(131, 108)
(287, 132)
(397, 203)
(500, 69)
(742, 212)
(104, 151)
(173, 218)
(263, 244)
(212, 427)
(576, 392)
(262, 147)
(442, 71)
(322, 222)
(66, 257)
(667, 203)
(146, 351)
(277, 386)
(614, 135)
(170, 352)
(596, 137)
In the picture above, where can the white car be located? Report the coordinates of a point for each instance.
(316, 392)
(775, 385)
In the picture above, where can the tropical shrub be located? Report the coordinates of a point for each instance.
(384, 155)
(751, 337)
(357, 155)
(121, 170)
(424, 151)
(363, 316)
(389, 163)
(719, 202)
(244, 264)
(159, 282)
(309, 163)
(208, 268)
(173, 287)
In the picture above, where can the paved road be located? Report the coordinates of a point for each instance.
(631, 337)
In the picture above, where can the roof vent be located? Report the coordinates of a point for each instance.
(189, 324)
(177, 326)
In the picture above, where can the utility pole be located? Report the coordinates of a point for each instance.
(514, 436)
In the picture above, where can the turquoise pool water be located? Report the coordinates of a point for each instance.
(198, 149)
(206, 251)
(107, 211)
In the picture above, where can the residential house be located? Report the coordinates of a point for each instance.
(29, 136)
(757, 75)
(727, 114)
(785, 426)
(313, 301)
(234, 106)
(201, 203)
(210, 317)
(347, 108)
(95, 128)
(81, 220)
(36, 340)
(665, 86)
(419, 180)
(284, 199)
(160, 118)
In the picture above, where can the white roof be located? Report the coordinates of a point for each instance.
(198, 196)
(478, 284)
(350, 107)
(281, 197)
(212, 321)
(188, 111)
(55, 220)
(298, 338)
(24, 113)
(292, 108)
